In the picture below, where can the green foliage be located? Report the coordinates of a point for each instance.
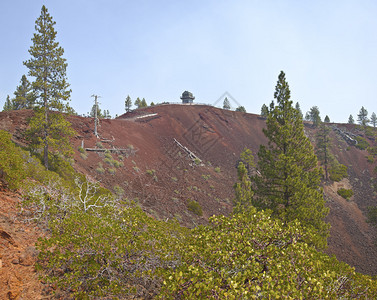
(338, 172)
(128, 103)
(100, 169)
(251, 256)
(323, 148)
(362, 143)
(112, 171)
(206, 177)
(217, 170)
(327, 119)
(289, 180)
(25, 97)
(8, 105)
(314, 116)
(373, 119)
(241, 109)
(351, 120)
(81, 150)
(11, 161)
(226, 103)
(264, 111)
(370, 159)
(197, 161)
(243, 191)
(362, 117)
(248, 158)
(150, 172)
(345, 193)
(194, 207)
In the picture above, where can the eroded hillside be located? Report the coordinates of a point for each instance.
(170, 156)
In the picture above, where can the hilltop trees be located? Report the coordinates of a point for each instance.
(50, 87)
(362, 117)
(351, 120)
(313, 115)
(24, 95)
(289, 178)
(264, 111)
(327, 119)
(226, 103)
(128, 103)
(373, 119)
(241, 109)
(8, 105)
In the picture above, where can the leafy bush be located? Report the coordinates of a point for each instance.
(195, 207)
(251, 256)
(112, 171)
(338, 172)
(11, 161)
(81, 150)
(150, 172)
(345, 193)
(100, 169)
(362, 143)
(217, 170)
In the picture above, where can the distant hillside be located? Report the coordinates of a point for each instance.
(171, 156)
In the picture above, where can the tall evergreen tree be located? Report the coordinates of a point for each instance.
(362, 117)
(226, 103)
(128, 103)
(323, 147)
(264, 111)
(8, 105)
(298, 108)
(373, 119)
(138, 102)
(93, 112)
(24, 95)
(143, 103)
(314, 116)
(327, 119)
(351, 120)
(50, 86)
(289, 180)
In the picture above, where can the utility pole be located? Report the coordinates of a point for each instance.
(95, 114)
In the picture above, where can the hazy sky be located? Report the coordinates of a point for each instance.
(158, 49)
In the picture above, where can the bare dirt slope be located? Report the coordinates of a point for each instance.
(173, 154)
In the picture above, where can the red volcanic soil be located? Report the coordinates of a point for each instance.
(153, 147)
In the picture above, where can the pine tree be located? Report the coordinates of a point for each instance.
(351, 120)
(24, 95)
(137, 102)
(327, 119)
(362, 117)
(313, 115)
(264, 111)
(143, 103)
(241, 109)
(93, 112)
(289, 180)
(323, 147)
(298, 108)
(128, 103)
(373, 119)
(8, 105)
(48, 67)
(226, 103)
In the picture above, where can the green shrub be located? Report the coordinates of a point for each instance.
(81, 150)
(362, 143)
(345, 193)
(150, 172)
(99, 145)
(206, 177)
(11, 161)
(217, 170)
(337, 173)
(195, 207)
(84, 155)
(100, 169)
(117, 164)
(112, 171)
(370, 159)
(197, 161)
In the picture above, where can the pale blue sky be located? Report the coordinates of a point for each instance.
(158, 49)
